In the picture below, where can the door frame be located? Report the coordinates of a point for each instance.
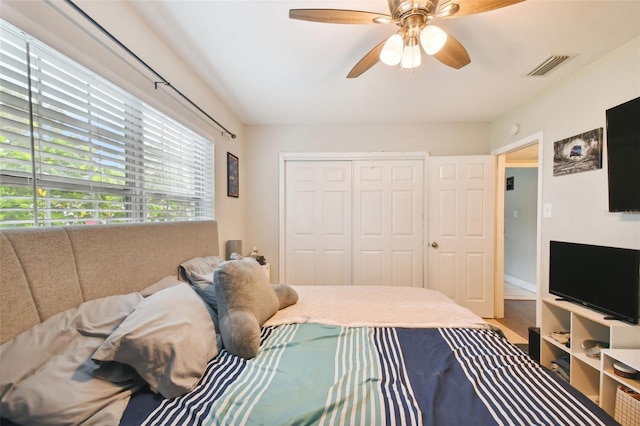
(350, 156)
(501, 153)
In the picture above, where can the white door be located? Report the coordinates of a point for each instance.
(461, 230)
(388, 222)
(318, 223)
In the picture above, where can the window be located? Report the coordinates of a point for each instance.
(75, 149)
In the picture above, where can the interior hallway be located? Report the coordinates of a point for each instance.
(519, 310)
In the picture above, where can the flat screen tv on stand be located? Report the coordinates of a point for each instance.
(605, 279)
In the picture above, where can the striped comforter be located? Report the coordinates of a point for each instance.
(319, 374)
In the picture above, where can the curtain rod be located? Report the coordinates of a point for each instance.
(154, 72)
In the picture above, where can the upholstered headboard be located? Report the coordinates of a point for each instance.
(44, 271)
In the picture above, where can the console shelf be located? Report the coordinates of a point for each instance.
(586, 373)
(610, 380)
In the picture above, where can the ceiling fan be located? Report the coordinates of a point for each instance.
(413, 17)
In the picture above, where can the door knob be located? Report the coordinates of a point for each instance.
(434, 244)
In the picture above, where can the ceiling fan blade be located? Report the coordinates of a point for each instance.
(367, 61)
(336, 16)
(471, 7)
(453, 54)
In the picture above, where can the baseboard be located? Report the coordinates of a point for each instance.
(521, 283)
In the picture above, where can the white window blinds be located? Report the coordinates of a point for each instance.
(75, 149)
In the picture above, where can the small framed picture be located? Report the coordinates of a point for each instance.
(233, 187)
(511, 183)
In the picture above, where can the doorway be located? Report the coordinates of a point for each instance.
(518, 217)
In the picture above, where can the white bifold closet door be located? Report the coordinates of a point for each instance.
(388, 223)
(356, 222)
(318, 222)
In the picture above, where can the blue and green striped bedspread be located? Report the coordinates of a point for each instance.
(313, 374)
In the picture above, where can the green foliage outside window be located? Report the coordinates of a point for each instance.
(75, 149)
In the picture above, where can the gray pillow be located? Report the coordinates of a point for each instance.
(165, 282)
(168, 339)
(199, 273)
(246, 300)
(208, 295)
(46, 373)
(201, 280)
(199, 270)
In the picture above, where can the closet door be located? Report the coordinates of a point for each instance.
(388, 200)
(318, 222)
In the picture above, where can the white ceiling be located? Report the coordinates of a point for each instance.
(271, 70)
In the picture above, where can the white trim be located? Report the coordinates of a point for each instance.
(523, 165)
(524, 142)
(526, 285)
(499, 276)
(319, 156)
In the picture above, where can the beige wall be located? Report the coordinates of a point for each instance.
(64, 29)
(579, 201)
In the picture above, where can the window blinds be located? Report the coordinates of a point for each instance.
(75, 149)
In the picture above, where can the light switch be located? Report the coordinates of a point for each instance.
(546, 211)
(515, 213)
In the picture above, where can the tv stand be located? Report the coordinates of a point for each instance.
(584, 324)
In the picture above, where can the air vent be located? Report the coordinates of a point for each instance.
(549, 63)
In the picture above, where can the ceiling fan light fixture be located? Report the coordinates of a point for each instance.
(432, 39)
(411, 57)
(414, 18)
(448, 10)
(391, 53)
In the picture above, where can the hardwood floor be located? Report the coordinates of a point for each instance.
(519, 315)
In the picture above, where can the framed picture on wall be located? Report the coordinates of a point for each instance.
(233, 187)
(579, 153)
(511, 183)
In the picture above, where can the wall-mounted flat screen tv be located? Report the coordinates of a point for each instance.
(605, 279)
(623, 156)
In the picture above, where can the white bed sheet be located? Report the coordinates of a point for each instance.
(378, 306)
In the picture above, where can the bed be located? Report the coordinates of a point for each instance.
(139, 316)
